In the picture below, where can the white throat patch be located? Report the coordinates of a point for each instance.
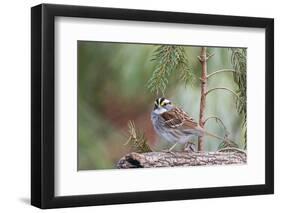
(160, 110)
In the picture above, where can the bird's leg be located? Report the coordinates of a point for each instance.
(189, 147)
(170, 149)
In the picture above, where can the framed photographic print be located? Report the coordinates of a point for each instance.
(140, 106)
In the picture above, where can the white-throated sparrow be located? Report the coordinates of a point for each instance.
(175, 125)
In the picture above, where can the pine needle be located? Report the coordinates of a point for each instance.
(239, 62)
(169, 58)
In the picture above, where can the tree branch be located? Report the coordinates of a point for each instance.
(199, 58)
(164, 159)
(217, 119)
(220, 71)
(210, 55)
(214, 117)
(203, 61)
(221, 88)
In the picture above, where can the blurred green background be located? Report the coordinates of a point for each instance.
(112, 88)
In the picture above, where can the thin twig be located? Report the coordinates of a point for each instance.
(220, 71)
(199, 58)
(221, 122)
(217, 119)
(221, 88)
(210, 55)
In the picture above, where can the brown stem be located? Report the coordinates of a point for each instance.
(203, 61)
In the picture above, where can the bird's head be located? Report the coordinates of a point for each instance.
(162, 105)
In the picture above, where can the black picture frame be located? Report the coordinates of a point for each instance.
(43, 102)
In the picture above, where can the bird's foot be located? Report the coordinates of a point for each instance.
(189, 147)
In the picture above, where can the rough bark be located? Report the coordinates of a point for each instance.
(166, 159)
(203, 60)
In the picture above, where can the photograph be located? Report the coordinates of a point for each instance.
(160, 105)
(138, 105)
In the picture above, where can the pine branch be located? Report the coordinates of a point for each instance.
(168, 59)
(239, 62)
(137, 139)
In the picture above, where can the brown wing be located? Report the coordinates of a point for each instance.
(177, 118)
